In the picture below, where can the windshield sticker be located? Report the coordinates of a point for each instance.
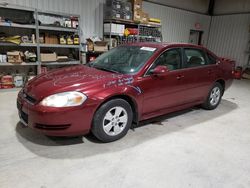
(148, 49)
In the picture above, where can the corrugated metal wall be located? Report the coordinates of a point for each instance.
(177, 23)
(229, 37)
(91, 11)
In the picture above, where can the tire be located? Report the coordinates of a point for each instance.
(112, 120)
(214, 97)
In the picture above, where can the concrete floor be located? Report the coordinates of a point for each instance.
(193, 148)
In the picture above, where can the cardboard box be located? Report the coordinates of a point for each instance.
(137, 5)
(90, 45)
(144, 18)
(120, 29)
(110, 27)
(51, 39)
(137, 15)
(48, 57)
(15, 57)
(101, 46)
(114, 28)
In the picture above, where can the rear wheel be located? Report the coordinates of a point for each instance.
(214, 97)
(112, 120)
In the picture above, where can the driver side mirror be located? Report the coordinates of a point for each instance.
(159, 70)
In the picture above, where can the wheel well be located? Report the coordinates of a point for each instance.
(222, 83)
(130, 101)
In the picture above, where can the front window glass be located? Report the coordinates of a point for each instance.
(124, 59)
(171, 59)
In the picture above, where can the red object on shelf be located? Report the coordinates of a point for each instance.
(92, 58)
(7, 79)
(238, 73)
(7, 82)
(44, 70)
(133, 31)
(9, 86)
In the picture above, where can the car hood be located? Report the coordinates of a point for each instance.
(77, 78)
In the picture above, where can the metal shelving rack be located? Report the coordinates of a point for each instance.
(37, 29)
(135, 25)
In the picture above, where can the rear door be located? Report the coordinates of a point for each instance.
(199, 73)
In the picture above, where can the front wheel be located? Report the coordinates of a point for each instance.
(214, 97)
(112, 120)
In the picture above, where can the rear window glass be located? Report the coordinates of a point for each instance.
(194, 57)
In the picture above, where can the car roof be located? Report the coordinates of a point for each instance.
(165, 45)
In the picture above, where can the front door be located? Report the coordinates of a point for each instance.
(164, 91)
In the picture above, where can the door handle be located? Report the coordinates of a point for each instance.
(179, 77)
(209, 71)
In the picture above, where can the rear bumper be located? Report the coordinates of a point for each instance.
(55, 121)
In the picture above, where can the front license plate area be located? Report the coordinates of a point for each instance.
(22, 115)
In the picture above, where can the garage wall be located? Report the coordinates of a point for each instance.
(177, 23)
(231, 6)
(91, 11)
(229, 37)
(200, 6)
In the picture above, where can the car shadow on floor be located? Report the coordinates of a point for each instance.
(80, 147)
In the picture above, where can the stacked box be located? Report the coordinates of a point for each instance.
(144, 17)
(113, 13)
(118, 9)
(15, 57)
(137, 9)
(127, 10)
(114, 28)
(114, 4)
(127, 15)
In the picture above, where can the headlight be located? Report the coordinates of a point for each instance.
(65, 99)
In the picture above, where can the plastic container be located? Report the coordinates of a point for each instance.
(113, 14)
(114, 4)
(18, 80)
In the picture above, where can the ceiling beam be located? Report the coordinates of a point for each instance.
(210, 10)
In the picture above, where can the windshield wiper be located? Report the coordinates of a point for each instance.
(105, 69)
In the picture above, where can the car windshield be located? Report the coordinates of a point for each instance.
(124, 59)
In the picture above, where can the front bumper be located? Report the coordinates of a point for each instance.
(70, 121)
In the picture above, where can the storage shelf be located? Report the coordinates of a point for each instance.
(151, 25)
(63, 29)
(11, 89)
(127, 22)
(36, 29)
(3, 24)
(61, 63)
(120, 35)
(58, 46)
(22, 64)
(113, 34)
(17, 45)
(120, 21)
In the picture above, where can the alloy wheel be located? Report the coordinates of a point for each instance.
(215, 96)
(115, 120)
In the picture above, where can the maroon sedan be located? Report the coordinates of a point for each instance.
(123, 86)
